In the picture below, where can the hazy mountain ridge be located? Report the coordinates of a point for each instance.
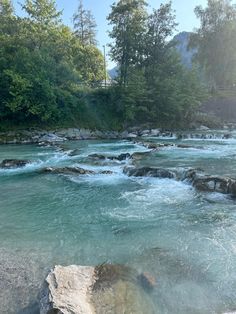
(182, 41)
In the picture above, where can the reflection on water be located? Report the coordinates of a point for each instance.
(184, 239)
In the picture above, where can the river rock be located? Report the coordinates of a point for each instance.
(149, 172)
(144, 133)
(152, 145)
(140, 155)
(132, 135)
(124, 134)
(51, 138)
(120, 157)
(97, 156)
(67, 170)
(207, 183)
(67, 290)
(155, 132)
(212, 184)
(203, 128)
(109, 172)
(227, 136)
(103, 289)
(13, 163)
(184, 146)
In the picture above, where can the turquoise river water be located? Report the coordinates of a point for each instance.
(184, 238)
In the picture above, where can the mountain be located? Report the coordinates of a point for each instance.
(113, 73)
(182, 42)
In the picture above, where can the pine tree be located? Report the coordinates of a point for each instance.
(85, 25)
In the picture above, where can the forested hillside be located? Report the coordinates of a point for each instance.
(52, 75)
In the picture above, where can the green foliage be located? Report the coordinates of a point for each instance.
(128, 18)
(215, 41)
(156, 87)
(51, 75)
(42, 65)
(43, 12)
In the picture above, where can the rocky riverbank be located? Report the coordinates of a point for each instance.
(33, 136)
(36, 136)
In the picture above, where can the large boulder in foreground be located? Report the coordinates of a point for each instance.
(68, 290)
(13, 163)
(104, 289)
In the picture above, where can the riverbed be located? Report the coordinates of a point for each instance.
(184, 238)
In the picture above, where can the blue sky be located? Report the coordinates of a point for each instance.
(101, 8)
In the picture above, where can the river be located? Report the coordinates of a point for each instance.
(184, 238)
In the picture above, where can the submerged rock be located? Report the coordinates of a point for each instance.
(149, 172)
(147, 281)
(14, 163)
(103, 289)
(119, 290)
(67, 170)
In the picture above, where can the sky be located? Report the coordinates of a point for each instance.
(101, 8)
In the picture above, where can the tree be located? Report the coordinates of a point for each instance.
(6, 8)
(88, 62)
(91, 28)
(161, 25)
(128, 18)
(7, 19)
(215, 41)
(42, 64)
(43, 12)
(85, 25)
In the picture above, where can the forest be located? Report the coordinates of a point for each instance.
(52, 75)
